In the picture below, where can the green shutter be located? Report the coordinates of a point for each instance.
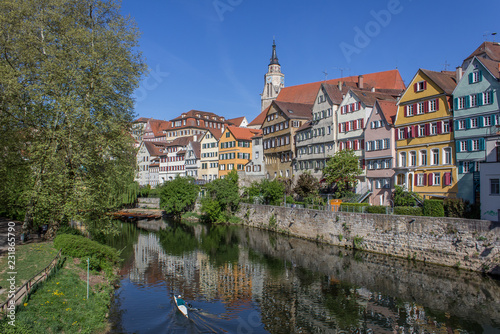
(480, 99)
(467, 101)
(470, 78)
(480, 77)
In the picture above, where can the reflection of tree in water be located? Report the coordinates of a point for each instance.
(178, 239)
(124, 241)
(341, 299)
(221, 244)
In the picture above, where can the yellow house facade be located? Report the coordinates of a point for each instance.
(235, 149)
(425, 148)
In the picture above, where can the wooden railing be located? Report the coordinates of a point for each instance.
(25, 289)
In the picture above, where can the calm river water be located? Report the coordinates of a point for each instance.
(242, 280)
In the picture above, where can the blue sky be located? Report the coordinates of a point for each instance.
(212, 55)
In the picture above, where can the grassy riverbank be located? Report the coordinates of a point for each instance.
(60, 304)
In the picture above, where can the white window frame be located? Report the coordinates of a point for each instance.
(446, 156)
(436, 179)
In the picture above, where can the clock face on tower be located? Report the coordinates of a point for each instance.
(282, 80)
(268, 79)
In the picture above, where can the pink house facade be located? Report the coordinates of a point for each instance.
(380, 152)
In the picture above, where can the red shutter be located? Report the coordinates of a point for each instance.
(415, 108)
(425, 85)
(440, 127)
(437, 104)
(363, 163)
(356, 145)
(425, 179)
(406, 133)
(451, 125)
(426, 106)
(415, 179)
(431, 176)
(427, 129)
(415, 87)
(362, 123)
(406, 111)
(415, 131)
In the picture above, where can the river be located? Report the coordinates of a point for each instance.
(244, 280)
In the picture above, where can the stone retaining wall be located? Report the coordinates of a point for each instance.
(148, 203)
(464, 243)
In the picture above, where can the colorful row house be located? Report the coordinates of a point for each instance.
(235, 149)
(424, 136)
(380, 152)
(476, 113)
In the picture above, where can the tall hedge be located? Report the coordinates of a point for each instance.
(433, 208)
(408, 210)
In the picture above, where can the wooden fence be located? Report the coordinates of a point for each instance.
(25, 289)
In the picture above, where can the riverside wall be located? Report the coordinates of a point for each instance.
(454, 242)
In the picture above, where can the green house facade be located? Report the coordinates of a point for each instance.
(475, 116)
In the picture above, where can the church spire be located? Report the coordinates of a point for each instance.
(274, 57)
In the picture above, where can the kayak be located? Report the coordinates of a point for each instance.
(181, 305)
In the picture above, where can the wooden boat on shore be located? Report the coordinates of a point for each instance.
(181, 305)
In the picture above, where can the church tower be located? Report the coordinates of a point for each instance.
(274, 81)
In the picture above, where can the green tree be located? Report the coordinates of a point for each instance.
(307, 186)
(68, 69)
(272, 191)
(401, 197)
(178, 195)
(222, 198)
(342, 169)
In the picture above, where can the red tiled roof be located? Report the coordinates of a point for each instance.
(196, 146)
(236, 121)
(202, 114)
(295, 110)
(154, 148)
(142, 120)
(369, 98)
(445, 80)
(389, 110)
(491, 65)
(243, 133)
(305, 126)
(259, 120)
(492, 50)
(306, 93)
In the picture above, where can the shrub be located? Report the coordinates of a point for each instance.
(408, 211)
(101, 256)
(433, 208)
(376, 209)
(68, 230)
(454, 207)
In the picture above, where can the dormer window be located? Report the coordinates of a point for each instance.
(475, 76)
(420, 86)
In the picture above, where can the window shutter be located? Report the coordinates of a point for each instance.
(440, 127)
(437, 104)
(480, 76)
(362, 123)
(467, 123)
(460, 167)
(415, 178)
(340, 127)
(481, 144)
(427, 129)
(472, 166)
(414, 108)
(425, 85)
(426, 106)
(447, 179)
(469, 144)
(470, 78)
(480, 99)
(363, 163)
(356, 143)
(480, 121)
(451, 125)
(406, 133)
(415, 131)
(425, 179)
(415, 87)
(359, 105)
(406, 111)
(362, 141)
(467, 101)
(455, 103)
(431, 178)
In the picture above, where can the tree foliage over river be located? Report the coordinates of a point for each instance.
(68, 69)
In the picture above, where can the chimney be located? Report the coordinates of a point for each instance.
(459, 73)
(340, 85)
(360, 81)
